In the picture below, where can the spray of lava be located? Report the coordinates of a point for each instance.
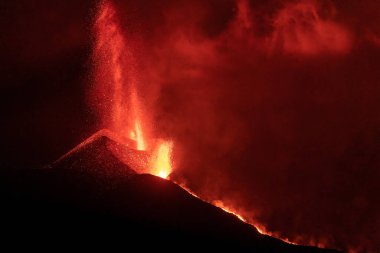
(118, 85)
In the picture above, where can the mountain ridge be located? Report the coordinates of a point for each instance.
(90, 190)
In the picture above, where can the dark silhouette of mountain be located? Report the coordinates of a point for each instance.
(89, 197)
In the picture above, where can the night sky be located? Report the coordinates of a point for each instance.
(273, 106)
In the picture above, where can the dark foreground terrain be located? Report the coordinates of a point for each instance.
(90, 198)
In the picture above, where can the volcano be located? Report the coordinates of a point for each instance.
(90, 193)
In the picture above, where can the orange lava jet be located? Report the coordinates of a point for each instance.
(162, 165)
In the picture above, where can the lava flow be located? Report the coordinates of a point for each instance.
(260, 228)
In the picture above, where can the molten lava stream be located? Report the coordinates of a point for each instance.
(260, 228)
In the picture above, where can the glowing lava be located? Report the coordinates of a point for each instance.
(228, 209)
(162, 165)
(222, 206)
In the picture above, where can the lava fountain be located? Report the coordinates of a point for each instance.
(116, 79)
(117, 87)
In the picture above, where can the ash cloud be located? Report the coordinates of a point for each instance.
(273, 106)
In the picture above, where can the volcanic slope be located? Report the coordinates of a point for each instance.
(89, 196)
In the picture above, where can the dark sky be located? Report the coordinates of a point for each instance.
(45, 46)
(273, 105)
